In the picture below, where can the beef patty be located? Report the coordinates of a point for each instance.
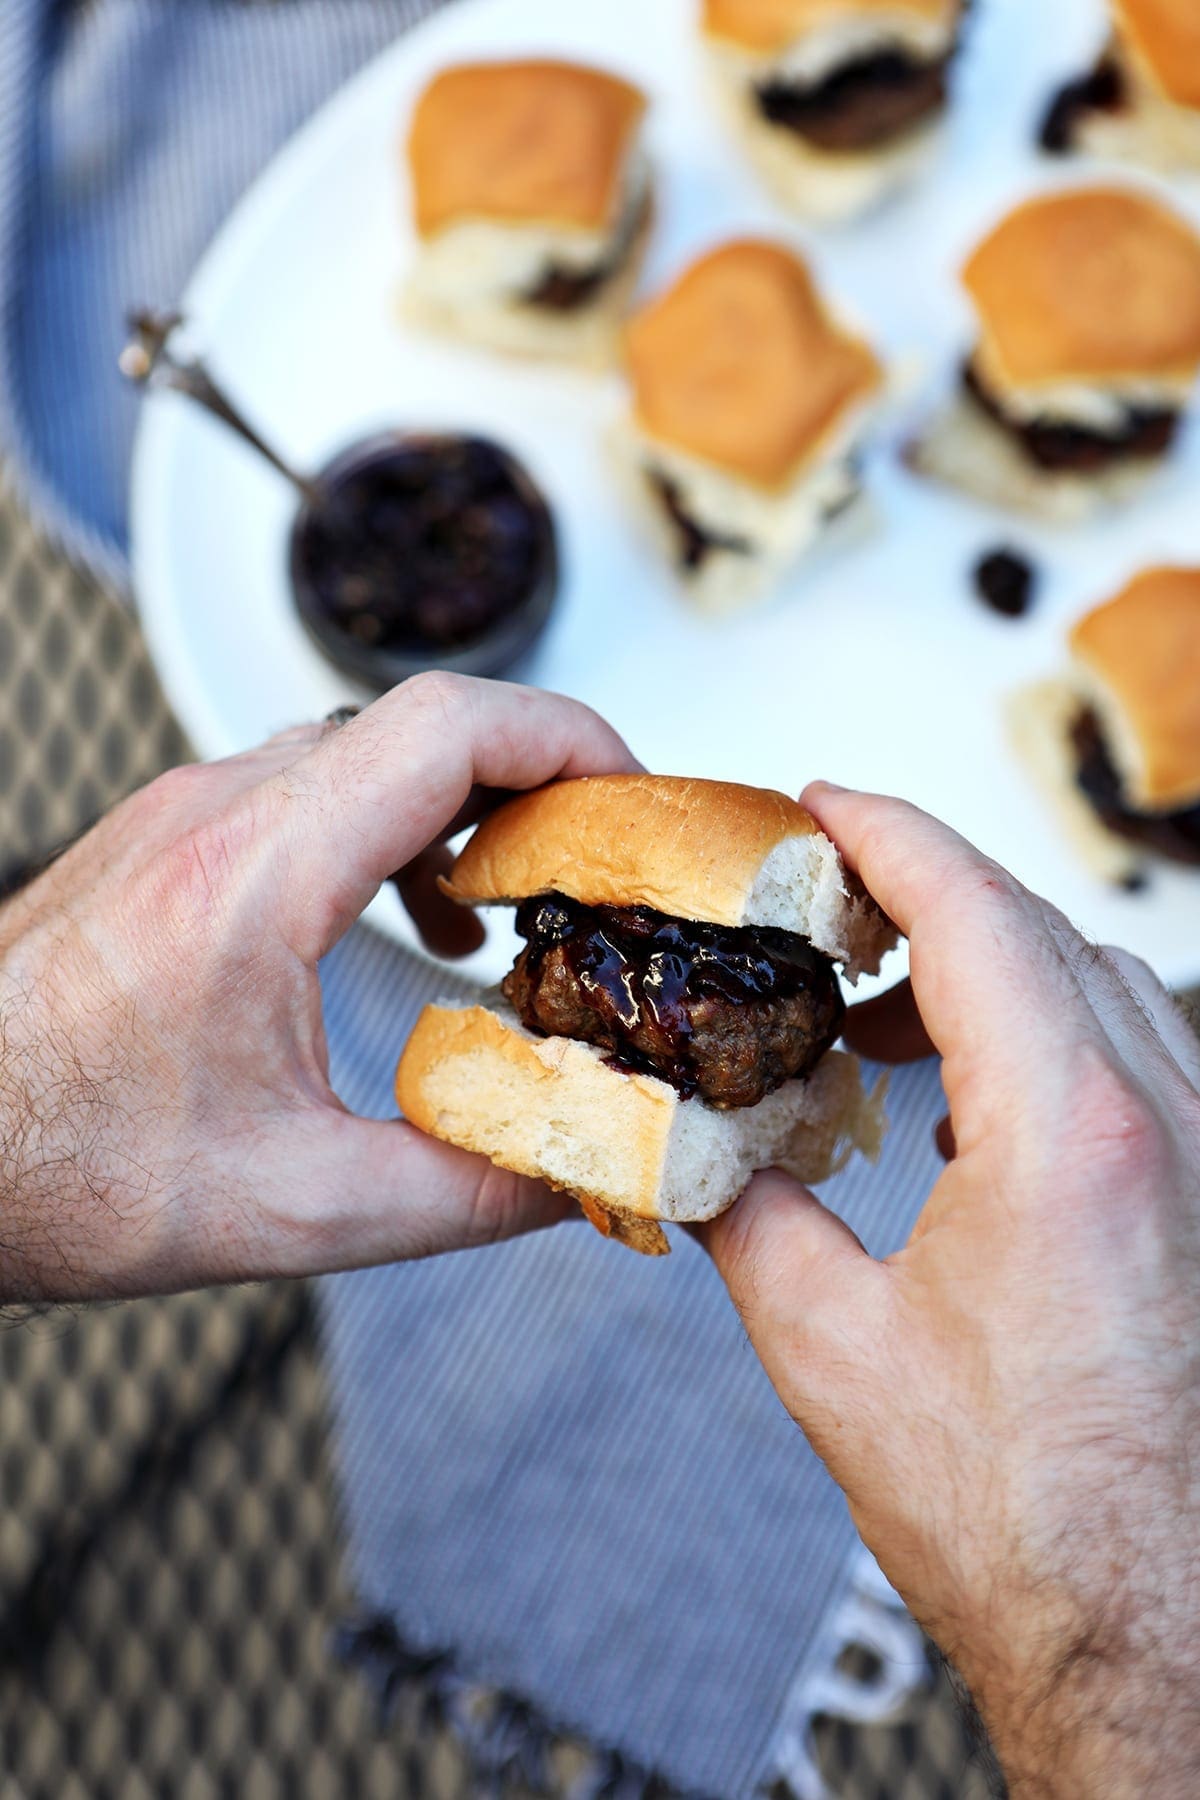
(729, 1013)
(1061, 448)
(861, 106)
(1173, 834)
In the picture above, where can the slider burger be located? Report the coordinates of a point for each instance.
(837, 101)
(532, 201)
(748, 401)
(1142, 99)
(1088, 304)
(668, 1027)
(1118, 741)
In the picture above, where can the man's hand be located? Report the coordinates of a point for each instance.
(166, 1117)
(1011, 1402)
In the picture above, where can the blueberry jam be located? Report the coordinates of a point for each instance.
(1101, 90)
(424, 547)
(1004, 580)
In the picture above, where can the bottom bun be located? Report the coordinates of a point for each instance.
(626, 1145)
(1147, 129)
(963, 448)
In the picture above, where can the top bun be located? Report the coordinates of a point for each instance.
(740, 364)
(695, 849)
(766, 25)
(522, 142)
(1140, 658)
(1088, 284)
(1164, 38)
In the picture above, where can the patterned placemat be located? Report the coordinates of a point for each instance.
(82, 717)
(170, 1576)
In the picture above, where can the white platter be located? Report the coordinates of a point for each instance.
(876, 666)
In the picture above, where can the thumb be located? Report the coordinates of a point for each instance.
(813, 1302)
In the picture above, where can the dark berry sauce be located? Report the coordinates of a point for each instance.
(1102, 90)
(726, 1011)
(1004, 580)
(1063, 448)
(861, 105)
(423, 547)
(1174, 834)
(696, 543)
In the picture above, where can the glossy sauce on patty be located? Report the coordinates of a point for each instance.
(728, 1013)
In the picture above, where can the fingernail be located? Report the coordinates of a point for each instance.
(830, 787)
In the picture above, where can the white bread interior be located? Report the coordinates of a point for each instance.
(1039, 723)
(626, 1145)
(695, 849)
(803, 880)
(1148, 127)
(964, 448)
(469, 280)
(1099, 404)
(825, 186)
(842, 37)
(1149, 130)
(779, 528)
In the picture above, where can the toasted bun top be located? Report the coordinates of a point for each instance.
(1164, 36)
(1087, 284)
(695, 849)
(522, 142)
(690, 848)
(767, 25)
(1141, 653)
(739, 363)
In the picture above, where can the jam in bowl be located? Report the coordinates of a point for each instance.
(410, 550)
(419, 551)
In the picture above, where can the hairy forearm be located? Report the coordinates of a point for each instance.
(54, 1198)
(1108, 1729)
(73, 1187)
(1100, 1698)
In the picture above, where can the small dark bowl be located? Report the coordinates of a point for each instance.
(470, 504)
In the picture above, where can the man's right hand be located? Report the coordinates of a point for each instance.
(1010, 1402)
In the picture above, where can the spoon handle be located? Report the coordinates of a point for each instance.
(148, 361)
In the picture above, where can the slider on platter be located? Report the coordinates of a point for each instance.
(1117, 741)
(669, 1026)
(748, 400)
(1088, 304)
(532, 200)
(837, 101)
(1141, 100)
